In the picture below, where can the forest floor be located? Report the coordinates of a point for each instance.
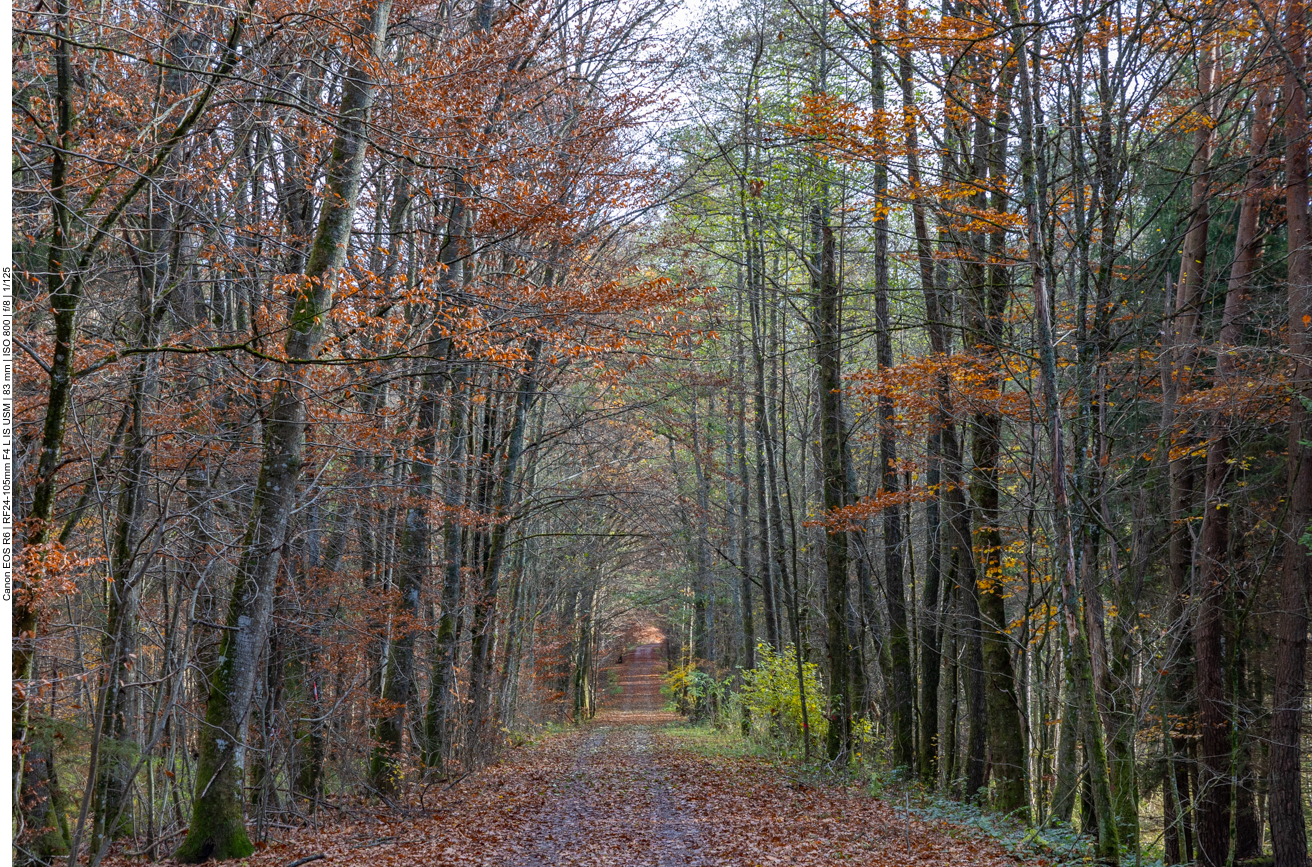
(628, 789)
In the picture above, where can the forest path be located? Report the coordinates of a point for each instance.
(632, 789)
(616, 805)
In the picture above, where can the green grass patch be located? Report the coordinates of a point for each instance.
(530, 734)
(705, 739)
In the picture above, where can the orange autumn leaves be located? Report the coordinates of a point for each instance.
(914, 385)
(975, 386)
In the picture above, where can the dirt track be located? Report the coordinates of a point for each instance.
(625, 791)
(617, 805)
(635, 795)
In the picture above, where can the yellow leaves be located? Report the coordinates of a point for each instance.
(1187, 451)
(772, 692)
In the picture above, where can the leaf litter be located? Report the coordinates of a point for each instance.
(623, 792)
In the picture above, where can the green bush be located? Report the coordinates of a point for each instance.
(770, 694)
(698, 694)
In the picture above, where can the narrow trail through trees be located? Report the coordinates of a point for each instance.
(618, 804)
(931, 382)
(630, 789)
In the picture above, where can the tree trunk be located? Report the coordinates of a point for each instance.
(480, 685)
(829, 370)
(899, 639)
(1288, 823)
(1067, 771)
(930, 632)
(217, 829)
(788, 579)
(43, 836)
(114, 751)
(1214, 710)
(703, 610)
(413, 566)
(1108, 846)
(771, 589)
(985, 324)
(1180, 334)
(444, 643)
(743, 490)
(1248, 823)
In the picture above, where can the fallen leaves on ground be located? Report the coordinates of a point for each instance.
(622, 791)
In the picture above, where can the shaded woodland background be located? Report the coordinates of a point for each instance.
(936, 377)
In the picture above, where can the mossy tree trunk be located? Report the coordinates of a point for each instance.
(44, 836)
(217, 827)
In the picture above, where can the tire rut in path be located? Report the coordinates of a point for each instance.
(615, 806)
(629, 791)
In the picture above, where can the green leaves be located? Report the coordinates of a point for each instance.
(771, 691)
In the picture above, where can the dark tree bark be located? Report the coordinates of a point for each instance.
(1248, 823)
(703, 631)
(480, 684)
(1288, 823)
(899, 638)
(1067, 771)
(986, 314)
(1179, 336)
(413, 567)
(829, 368)
(743, 490)
(1213, 586)
(930, 632)
(454, 485)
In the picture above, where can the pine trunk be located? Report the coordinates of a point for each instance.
(1288, 822)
